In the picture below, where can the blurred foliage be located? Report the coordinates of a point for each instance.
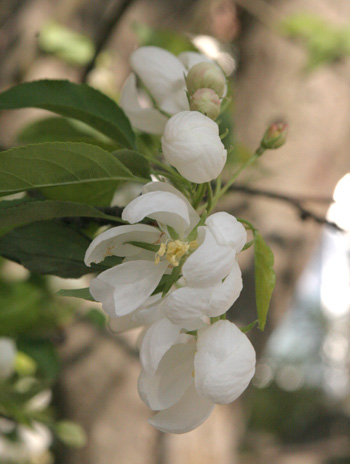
(66, 44)
(169, 40)
(35, 319)
(296, 416)
(324, 42)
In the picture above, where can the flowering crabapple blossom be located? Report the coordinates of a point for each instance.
(191, 143)
(208, 263)
(127, 286)
(163, 75)
(183, 379)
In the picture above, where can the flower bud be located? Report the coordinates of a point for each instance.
(191, 143)
(275, 136)
(206, 75)
(207, 102)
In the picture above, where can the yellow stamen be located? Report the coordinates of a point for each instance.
(174, 250)
(162, 249)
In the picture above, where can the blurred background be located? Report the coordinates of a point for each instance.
(286, 60)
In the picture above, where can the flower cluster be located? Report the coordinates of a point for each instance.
(179, 274)
(191, 141)
(176, 277)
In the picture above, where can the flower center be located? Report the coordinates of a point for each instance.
(174, 250)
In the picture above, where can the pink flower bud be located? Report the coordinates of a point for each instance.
(207, 102)
(275, 136)
(206, 75)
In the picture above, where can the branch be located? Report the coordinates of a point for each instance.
(296, 202)
(105, 31)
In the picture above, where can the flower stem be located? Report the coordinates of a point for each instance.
(220, 192)
(198, 195)
(210, 196)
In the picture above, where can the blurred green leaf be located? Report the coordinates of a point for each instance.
(83, 293)
(77, 101)
(71, 434)
(20, 308)
(97, 318)
(28, 308)
(44, 354)
(66, 170)
(57, 129)
(265, 277)
(24, 364)
(324, 42)
(148, 144)
(50, 247)
(66, 44)
(20, 212)
(169, 40)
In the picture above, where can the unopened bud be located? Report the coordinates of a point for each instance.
(207, 102)
(206, 75)
(275, 136)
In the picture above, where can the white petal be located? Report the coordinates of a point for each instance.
(144, 119)
(156, 342)
(192, 144)
(186, 306)
(163, 75)
(186, 415)
(210, 263)
(171, 380)
(165, 187)
(189, 59)
(224, 362)
(122, 323)
(8, 355)
(227, 230)
(151, 312)
(164, 207)
(112, 242)
(127, 285)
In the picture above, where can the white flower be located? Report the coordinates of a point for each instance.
(212, 278)
(212, 275)
(7, 357)
(192, 144)
(163, 75)
(183, 378)
(127, 286)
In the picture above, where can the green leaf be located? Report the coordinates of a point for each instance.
(249, 327)
(145, 246)
(20, 212)
(57, 129)
(83, 293)
(71, 434)
(135, 162)
(50, 247)
(66, 44)
(265, 277)
(77, 101)
(66, 170)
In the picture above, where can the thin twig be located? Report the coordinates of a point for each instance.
(296, 202)
(105, 30)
